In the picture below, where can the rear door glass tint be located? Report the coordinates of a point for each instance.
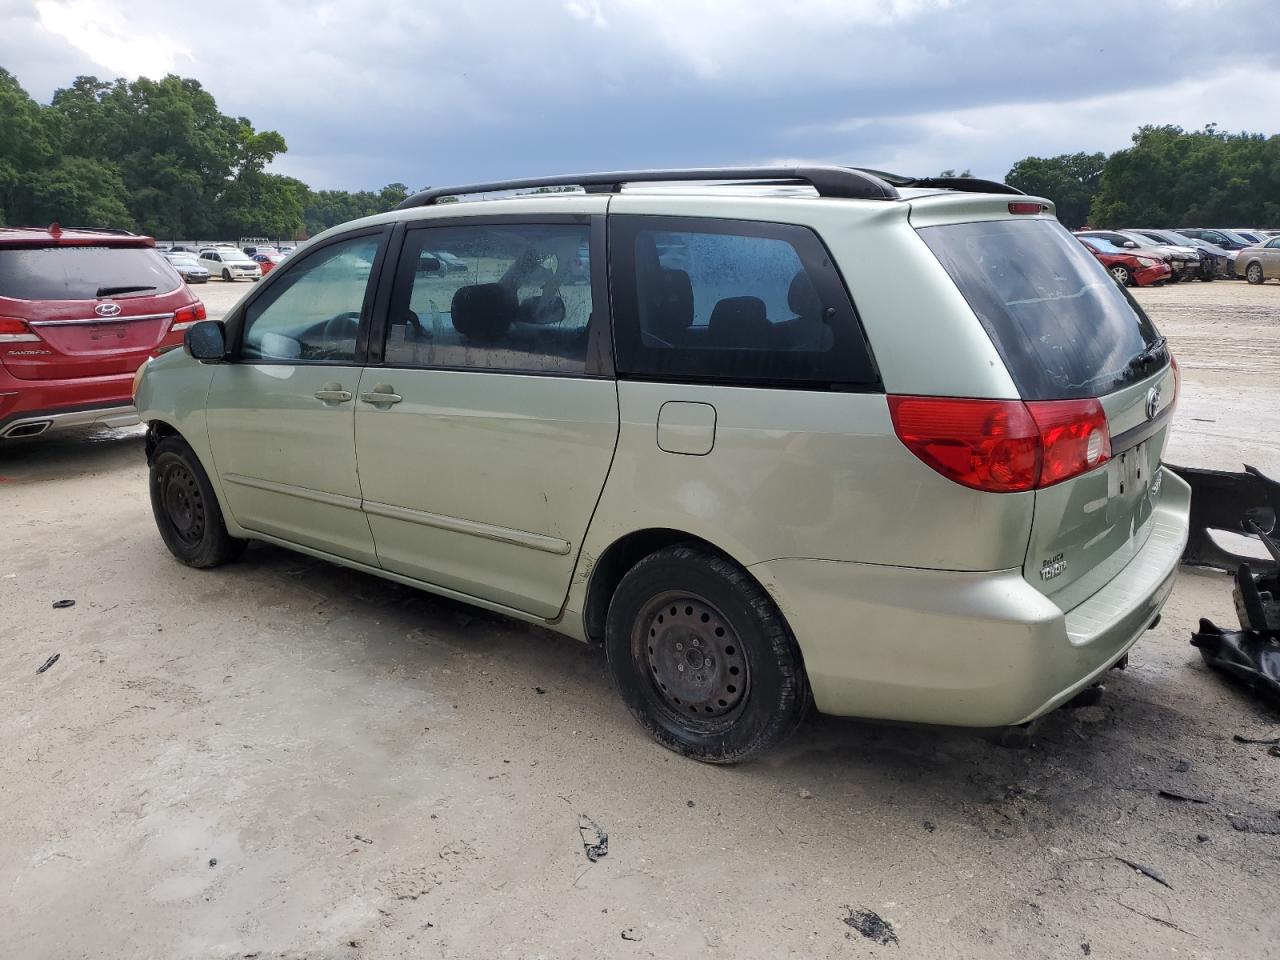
(724, 300)
(84, 273)
(1062, 325)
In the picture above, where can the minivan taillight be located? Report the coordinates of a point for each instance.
(1003, 446)
(13, 330)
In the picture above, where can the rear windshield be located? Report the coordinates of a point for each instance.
(1063, 327)
(84, 273)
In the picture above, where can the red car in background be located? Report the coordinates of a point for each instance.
(267, 260)
(80, 311)
(1127, 267)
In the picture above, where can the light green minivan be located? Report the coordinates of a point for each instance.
(773, 437)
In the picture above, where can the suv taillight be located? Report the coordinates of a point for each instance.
(1003, 446)
(13, 330)
(184, 317)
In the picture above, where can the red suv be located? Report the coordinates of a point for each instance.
(80, 312)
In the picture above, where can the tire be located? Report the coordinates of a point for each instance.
(226, 274)
(1253, 273)
(1122, 275)
(186, 509)
(748, 693)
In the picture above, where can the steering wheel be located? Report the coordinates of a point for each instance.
(342, 327)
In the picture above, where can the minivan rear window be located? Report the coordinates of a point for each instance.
(84, 273)
(1063, 327)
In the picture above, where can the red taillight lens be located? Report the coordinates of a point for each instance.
(1022, 206)
(1073, 435)
(985, 444)
(1003, 446)
(13, 330)
(186, 316)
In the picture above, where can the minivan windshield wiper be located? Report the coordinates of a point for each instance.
(112, 291)
(1149, 354)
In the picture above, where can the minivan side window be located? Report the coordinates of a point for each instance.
(732, 301)
(312, 313)
(492, 296)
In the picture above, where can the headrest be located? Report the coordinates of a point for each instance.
(739, 322)
(802, 297)
(483, 309)
(671, 304)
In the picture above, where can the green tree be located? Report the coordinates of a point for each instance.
(1070, 180)
(25, 147)
(81, 192)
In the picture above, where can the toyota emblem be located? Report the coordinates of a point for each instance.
(1153, 402)
(107, 309)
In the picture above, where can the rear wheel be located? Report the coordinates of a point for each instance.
(1122, 275)
(703, 658)
(186, 509)
(1253, 273)
(226, 274)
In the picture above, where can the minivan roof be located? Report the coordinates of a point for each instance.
(828, 181)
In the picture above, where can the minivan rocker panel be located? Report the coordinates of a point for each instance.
(637, 456)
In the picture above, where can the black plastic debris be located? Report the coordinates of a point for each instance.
(872, 926)
(1269, 741)
(1245, 825)
(1235, 502)
(630, 934)
(63, 604)
(213, 861)
(1248, 656)
(1187, 797)
(594, 840)
(49, 663)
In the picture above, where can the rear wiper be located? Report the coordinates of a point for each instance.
(1149, 354)
(112, 291)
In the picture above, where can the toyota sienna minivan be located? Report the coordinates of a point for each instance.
(818, 435)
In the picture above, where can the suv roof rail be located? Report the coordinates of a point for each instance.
(963, 184)
(829, 181)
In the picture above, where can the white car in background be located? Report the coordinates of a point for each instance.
(229, 263)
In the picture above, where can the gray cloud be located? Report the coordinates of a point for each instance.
(368, 92)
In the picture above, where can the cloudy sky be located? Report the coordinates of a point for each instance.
(372, 91)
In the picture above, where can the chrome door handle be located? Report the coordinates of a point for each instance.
(333, 396)
(381, 395)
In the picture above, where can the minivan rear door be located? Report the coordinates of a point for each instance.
(98, 309)
(1067, 331)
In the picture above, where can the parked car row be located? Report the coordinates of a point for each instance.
(1146, 256)
(225, 261)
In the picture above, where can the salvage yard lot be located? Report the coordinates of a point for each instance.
(284, 758)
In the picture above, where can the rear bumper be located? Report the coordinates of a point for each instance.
(967, 649)
(84, 401)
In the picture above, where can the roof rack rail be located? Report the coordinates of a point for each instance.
(829, 181)
(963, 184)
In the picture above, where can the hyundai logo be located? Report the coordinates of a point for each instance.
(107, 309)
(1153, 402)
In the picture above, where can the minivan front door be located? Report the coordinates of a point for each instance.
(485, 433)
(281, 415)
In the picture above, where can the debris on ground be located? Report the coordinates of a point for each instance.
(1145, 871)
(539, 691)
(930, 826)
(1182, 766)
(1249, 656)
(1085, 948)
(213, 861)
(805, 794)
(1245, 825)
(1272, 741)
(594, 840)
(871, 925)
(357, 836)
(49, 663)
(1188, 797)
(63, 604)
(1217, 498)
(689, 803)
(630, 934)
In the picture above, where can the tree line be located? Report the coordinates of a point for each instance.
(158, 156)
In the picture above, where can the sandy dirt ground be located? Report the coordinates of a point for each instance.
(281, 758)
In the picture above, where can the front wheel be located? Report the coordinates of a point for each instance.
(1254, 273)
(186, 509)
(703, 658)
(1122, 275)
(226, 274)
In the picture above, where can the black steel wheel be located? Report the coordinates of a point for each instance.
(702, 656)
(186, 509)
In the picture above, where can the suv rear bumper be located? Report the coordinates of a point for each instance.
(967, 649)
(32, 407)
